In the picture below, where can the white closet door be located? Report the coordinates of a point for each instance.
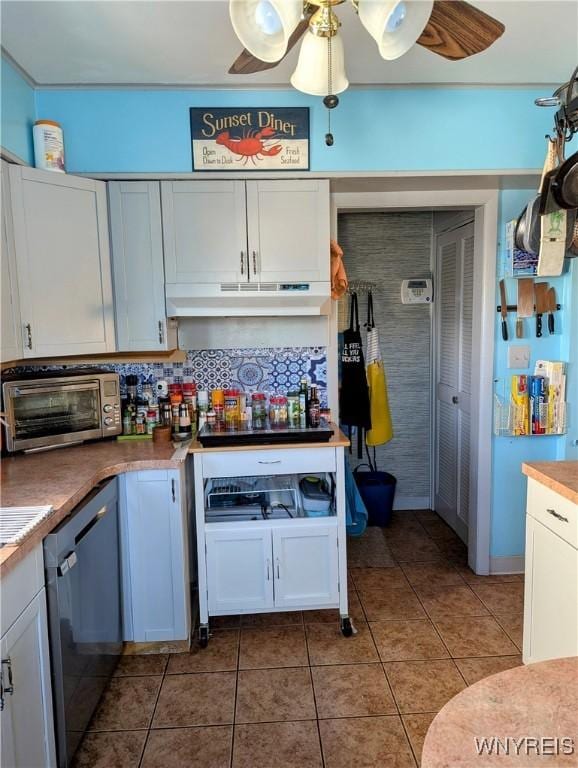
(455, 282)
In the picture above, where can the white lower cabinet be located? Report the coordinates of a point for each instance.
(26, 719)
(239, 570)
(551, 585)
(306, 565)
(254, 568)
(156, 599)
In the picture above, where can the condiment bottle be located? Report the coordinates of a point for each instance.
(314, 409)
(184, 419)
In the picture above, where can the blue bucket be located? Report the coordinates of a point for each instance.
(377, 490)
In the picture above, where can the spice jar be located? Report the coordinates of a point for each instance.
(151, 421)
(293, 409)
(218, 401)
(259, 410)
(278, 411)
(232, 407)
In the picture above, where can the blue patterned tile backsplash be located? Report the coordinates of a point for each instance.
(270, 369)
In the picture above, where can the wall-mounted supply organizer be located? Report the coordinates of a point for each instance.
(532, 406)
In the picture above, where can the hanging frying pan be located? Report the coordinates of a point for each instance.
(564, 185)
(520, 231)
(532, 226)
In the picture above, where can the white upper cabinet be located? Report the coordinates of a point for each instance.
(205, 231)
(288, 230)
(63, 262)
(239, 232)
(11, 339)
(138, 270)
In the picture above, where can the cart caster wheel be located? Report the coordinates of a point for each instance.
(203, 637)
(346, 628)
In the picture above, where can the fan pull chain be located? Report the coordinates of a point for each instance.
(331, 100)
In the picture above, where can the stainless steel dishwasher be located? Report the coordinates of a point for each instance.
(82, 563)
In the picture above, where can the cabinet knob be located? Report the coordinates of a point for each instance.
(254, 262)
(4, 689)
(557, 515)
(161, 332)
(455, 400)
(242, 263)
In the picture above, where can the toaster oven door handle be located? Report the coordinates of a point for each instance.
(24, 390)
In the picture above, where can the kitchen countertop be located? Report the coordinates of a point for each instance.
(63, 477)
(560, 476)
(337, 440)
(536, 701)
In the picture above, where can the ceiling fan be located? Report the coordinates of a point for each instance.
(269, 29)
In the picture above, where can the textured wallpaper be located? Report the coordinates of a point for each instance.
(386, 248)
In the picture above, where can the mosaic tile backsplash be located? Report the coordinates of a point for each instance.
(271, 369)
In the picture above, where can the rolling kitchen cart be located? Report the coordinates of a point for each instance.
(260, 549)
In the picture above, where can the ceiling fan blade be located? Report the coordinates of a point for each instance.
(247, 64)
(457, 30)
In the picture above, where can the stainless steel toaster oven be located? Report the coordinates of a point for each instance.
(51, 409)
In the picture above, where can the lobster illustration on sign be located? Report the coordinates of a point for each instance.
(251, 146)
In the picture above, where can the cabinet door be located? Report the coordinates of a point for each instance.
(205, 231)
(305, 565)
(551, 595)
(27, 724)
(63, 261)
(11, 339)
(239, 570)
(154, 536)
(138, 269)
(288, 226)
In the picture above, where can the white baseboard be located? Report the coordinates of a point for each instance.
(404, 503)
(499, 565)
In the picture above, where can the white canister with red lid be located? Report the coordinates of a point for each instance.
(48, 145)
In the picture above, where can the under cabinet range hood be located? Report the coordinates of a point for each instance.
(248, 299)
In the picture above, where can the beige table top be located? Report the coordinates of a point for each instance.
(538, 701)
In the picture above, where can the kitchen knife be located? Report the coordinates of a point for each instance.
(551, 309)
(504, 310)
(525, 303)
(541, 293)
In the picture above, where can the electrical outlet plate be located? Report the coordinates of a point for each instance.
(518, 356)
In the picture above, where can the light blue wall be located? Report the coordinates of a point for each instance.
(377, 129)
(391, 129)
(509, 485)
(18, 113)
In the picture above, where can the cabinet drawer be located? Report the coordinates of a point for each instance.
(558, 514)
(272, 462)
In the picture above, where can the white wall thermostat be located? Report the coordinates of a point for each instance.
(417, 290)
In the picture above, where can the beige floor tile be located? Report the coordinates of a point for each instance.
(189, 748)
(420, 550)
(431, 574)
(501, 598)
(281, 619)
(332, 614)
(127, 704)
(266, 695)
(372, 742)
(200, 699)
(439, 530)
(475, 636)
(426, 516)
(453, 551)
(225, 622)
(268, 648)
(378, 578)
(328, 646)
(140, 665)
(513, 626)
(277, 745)
(385, 605)
(450, 600)
(423, 686)
(407, 640)
(474, 579)
(110, 750)
(353, 690)
(220, 655)
(476, 669)
(417, 727)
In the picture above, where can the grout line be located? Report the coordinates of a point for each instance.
(314, 700)
(235, 700)
(153, 713)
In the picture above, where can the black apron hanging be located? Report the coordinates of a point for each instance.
(354, 408)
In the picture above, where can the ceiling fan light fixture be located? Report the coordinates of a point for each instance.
(265, 26)
(311, 74)
(395, 25)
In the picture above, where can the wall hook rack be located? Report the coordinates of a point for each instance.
(514, 308)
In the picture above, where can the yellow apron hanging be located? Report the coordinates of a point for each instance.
(381, 425)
